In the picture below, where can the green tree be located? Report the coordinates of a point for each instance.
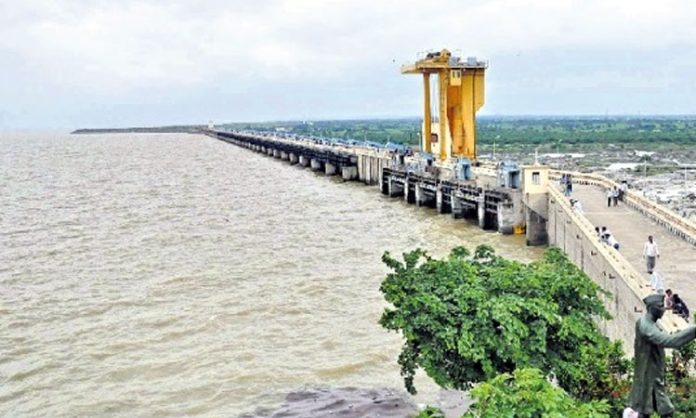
(527, 394)
(682, 384)
(467, 318)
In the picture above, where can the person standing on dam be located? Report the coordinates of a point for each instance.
(648, 393)
(569, 185)
(622, 190)
(651, 253)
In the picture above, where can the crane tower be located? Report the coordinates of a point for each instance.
(452, 133)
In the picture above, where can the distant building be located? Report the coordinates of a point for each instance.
(211, 125)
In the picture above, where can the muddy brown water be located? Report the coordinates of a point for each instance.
(169, 275)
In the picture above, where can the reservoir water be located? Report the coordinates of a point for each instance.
(170, 275)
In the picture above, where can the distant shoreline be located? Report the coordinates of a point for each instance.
(153, 130)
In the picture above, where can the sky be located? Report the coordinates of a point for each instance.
(67, 64)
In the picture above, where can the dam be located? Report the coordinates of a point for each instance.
(500, 196)
(509, 199)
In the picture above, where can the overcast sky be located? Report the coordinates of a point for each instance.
(103, 63)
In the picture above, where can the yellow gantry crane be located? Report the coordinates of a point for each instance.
(460, 95)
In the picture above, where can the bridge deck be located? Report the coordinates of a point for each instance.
(677, 262)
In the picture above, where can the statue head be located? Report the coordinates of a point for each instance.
(655, 305)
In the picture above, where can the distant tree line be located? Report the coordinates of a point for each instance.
(552, 131)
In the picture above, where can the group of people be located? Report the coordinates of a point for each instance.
(676, 304)
(607, 237)
(672, 300)
(616, 194)
(567, 184)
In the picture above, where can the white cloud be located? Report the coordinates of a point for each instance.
(138, 43)
(120, 48)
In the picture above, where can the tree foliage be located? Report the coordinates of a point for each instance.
(526, 393)
(681, 382)
(467, 318)
(551, 133)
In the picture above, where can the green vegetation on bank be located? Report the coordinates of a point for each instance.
(499, 326)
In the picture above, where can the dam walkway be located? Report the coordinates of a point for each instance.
(677, 262)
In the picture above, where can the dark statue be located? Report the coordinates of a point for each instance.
(648, 394)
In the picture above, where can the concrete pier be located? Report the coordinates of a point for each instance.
(329, 169)
(507, 219)
(370, 166)
(481, 210)
(409, 191)
(316, 165)
(424, 196)
(395, 189)
(293, 158)
(349, 173)
(304, 161)
(441, 203)
(284, 155)
(276, 153)
(457, 207)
